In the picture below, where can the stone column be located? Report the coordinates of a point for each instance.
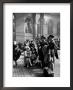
(58, 29)
(55, 28)
(37, 29)
(34, 22)
(41, 23)
(50, 26)
(14, 28)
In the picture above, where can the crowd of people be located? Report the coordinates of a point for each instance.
(41, 52)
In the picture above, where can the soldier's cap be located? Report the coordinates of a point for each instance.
(50, 36)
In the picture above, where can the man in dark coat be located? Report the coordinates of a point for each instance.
(49, 51)
(42, 43)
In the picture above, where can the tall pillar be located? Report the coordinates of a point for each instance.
(36, 25)
(41, 22)
(37, 29)
(55, 28)
(34, 22)
(58, 29)
(50, 27)
(14, 27)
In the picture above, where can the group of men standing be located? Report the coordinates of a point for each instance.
(42, 53)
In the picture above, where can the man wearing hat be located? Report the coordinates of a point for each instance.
(49, 53)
